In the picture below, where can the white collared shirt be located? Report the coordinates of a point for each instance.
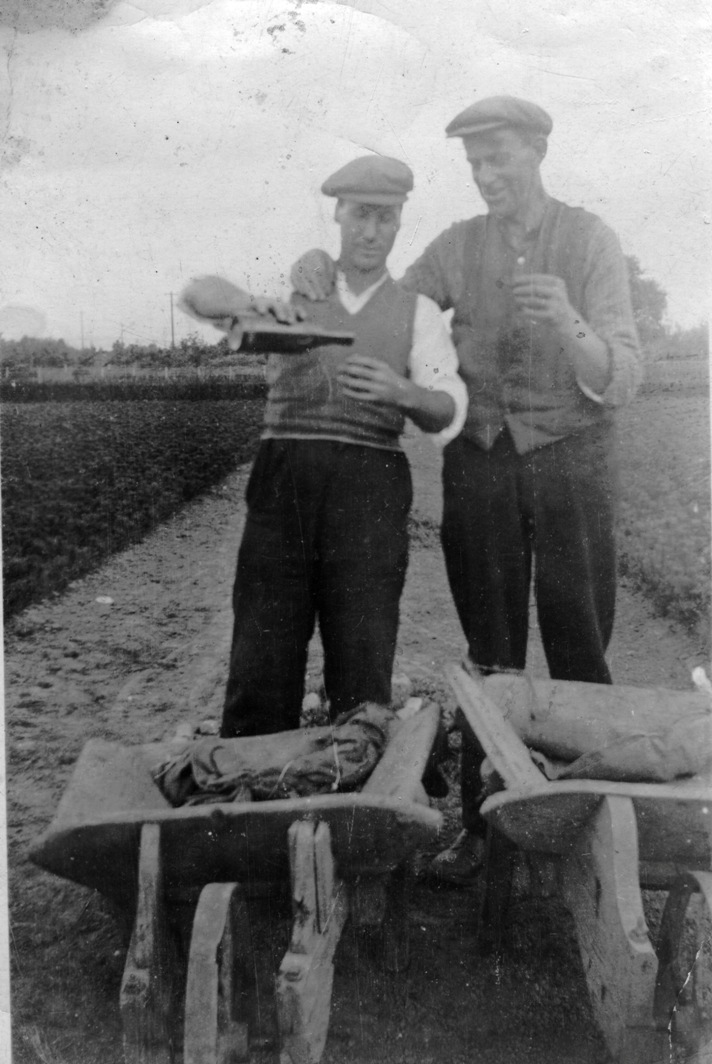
(432, 362)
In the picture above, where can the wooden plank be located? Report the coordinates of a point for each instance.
(327, 886)
(305, 978)
(399, 772)
(498, 739)
(600, 886)
(107, 777)
(566, 718)
(215, 1031)
(146, 986)
(371, 835)
(674, 819)
(302, 874)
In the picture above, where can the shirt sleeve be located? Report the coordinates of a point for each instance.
(589, 392)
(438, 273)
(434, 365)
(608, 311)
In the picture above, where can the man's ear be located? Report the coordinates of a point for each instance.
(540, 145)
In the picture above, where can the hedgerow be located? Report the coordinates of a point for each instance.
(81, 480)
(664, 524)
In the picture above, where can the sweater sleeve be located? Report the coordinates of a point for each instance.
(438, 273)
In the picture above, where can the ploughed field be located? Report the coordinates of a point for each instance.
(94, 467)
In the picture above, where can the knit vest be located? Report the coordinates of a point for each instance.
(304, 399)
(515, 372)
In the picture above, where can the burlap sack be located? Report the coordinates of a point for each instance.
(597, 731)
(683, 749)
(283, 765)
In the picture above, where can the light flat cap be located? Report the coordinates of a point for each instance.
(371, 179)
(499, 112)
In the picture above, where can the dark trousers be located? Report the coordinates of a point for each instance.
(325, 538)
(554, 506)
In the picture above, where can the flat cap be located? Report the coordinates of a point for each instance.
(498, 112)
(371, 179)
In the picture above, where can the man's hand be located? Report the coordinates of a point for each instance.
(214, 299)
(372, 381)
(543, 299)
(313, 275)
(277, 308)
(219, 301)
(369, 380)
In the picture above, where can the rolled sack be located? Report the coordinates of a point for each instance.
(609, 732)
(280, 765)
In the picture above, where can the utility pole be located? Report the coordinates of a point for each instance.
(81, 326)
(173, 335)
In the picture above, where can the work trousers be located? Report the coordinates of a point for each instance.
(325, 538)
(554, 506)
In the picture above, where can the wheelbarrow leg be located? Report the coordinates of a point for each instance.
(396, 927)
(600, 885)
(146, 987)
(215, 1027)
(683, 994)
(379, 905)
(305, 978)
(500, 856)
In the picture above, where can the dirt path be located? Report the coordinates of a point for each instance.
(131, 668)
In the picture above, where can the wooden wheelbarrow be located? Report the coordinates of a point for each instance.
(115, 832)
(603, 841)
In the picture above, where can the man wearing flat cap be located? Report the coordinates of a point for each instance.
(544, 332)
(330, 491)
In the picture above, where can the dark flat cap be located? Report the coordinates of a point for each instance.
(371, 179)
(498, 112)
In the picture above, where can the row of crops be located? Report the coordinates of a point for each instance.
(82, 479)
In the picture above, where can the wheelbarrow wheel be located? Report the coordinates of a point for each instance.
(217, 978)
(683, 993)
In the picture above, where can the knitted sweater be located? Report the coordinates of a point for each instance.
(305, 400)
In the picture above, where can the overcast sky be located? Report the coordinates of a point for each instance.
(176, 137)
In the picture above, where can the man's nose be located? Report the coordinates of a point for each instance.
(370, 228)
(483, 174)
